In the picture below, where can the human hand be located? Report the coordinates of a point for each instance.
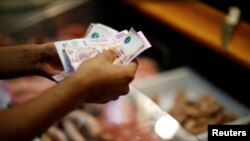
(50, 63)
(104, 80)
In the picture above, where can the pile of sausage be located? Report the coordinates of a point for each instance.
(195, 115)
(91, 123)
(77, 126)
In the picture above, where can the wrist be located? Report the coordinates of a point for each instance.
(41, 56)
(81, 86)
(20, 60)
(45, 52)
(75, 88)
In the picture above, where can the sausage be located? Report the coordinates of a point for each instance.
(56, 134)
(208, 105)
(191, 110)
(89, 122)
(72, 131)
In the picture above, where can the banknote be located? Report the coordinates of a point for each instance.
(98, 30)
(87, 44)
(77, 56)
(128, 44)
(59, 77)
(60, 46)
(146, 45)
(126, 48)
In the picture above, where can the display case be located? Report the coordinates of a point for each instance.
(193, 101)
(145, 113)
(136, 117)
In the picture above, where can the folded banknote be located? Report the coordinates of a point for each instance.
(99, 37)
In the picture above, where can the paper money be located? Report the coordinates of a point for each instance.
(98, 30)
(127, 47)
(146, 45)
(59, 77)
(60, 47)
(127, 44)
(77, 56)
(98, 43)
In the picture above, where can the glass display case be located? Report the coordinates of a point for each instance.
(193, 101)
(145, 113)
(135, 117)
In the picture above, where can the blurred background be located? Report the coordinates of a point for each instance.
(184, 33)
(26, 21)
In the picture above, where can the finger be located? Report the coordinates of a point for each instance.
(46, 137)
(114, 49)
(125, 90)
(131, 67)
(135, 61)
(109, 55)
(50, 44)
(129, 70)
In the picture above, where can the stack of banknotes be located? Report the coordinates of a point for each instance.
(99, 37)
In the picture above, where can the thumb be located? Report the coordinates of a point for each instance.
(109, 55)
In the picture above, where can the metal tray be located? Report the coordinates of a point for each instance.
(166, 84)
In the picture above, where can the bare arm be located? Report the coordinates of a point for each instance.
(97, 80)
(30, 59)
(30, 119)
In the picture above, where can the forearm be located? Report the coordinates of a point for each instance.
(30, 119)
(19, 60)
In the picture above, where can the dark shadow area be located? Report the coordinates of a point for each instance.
(169, 48)
(172, 50)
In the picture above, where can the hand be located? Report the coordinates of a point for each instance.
(50, 63)
(104, 80)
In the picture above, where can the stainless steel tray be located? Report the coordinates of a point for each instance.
(152, 121)
(166, 84)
